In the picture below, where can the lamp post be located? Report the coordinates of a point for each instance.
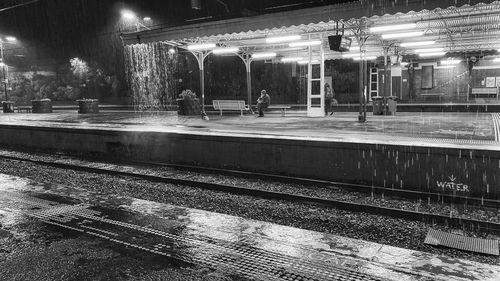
(130, 16)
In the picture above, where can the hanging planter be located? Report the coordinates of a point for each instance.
(41, 106)
(86, 106)
(188, 103)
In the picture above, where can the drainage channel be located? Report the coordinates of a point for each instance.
(242, 259)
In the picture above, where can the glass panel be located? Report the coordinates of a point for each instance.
(316, 71)
(316, 88)
(316, 102)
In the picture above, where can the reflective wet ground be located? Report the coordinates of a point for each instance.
(456, 128)
(55, 232)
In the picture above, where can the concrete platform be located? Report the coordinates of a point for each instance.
(248, 248)
(453, 153)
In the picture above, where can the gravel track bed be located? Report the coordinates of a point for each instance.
(385, 230)
(331, 192)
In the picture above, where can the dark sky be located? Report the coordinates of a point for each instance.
(61, 29)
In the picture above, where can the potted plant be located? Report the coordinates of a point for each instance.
(41, 106)
(188, 103)
(88, 106)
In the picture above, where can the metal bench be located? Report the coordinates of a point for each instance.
(26, 108)
(283, 108)
(484, 92)
(238, 105)
(431, 94)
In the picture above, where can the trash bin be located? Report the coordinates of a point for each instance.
(378, 105)
(392, 105)
(8, 106)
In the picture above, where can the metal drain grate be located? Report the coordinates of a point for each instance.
(245, 260)
(478, 245)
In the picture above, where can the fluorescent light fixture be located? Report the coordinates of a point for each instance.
(497, 60)
(291, 59)
(404, 64)
(436, 54)
(146, 19)
(445, 66)
(450, 62)
(263, 55)
(415, 44)
(282, 39)
(227, 50)
(305, 43)
(393, 27)
(10, 38)
(128, 15)
(402, 35)
(365, 58)
(199, 47)
(306, 61)
(429, 50)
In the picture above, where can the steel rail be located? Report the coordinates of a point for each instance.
(451, 221)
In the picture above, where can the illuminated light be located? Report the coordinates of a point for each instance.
(445, 66)
(171, 51)
(306, 61)
(146, 19)
(415, 44)
(393, 27)
(404, 64)
(429, 50)
(306, 43)
(497, 60)
(263, 55)
(450, 62)
(199, 47)
(365, 58)
(10, 38)
(436, 54)
(402, 35)
(291, 59)
(282, 39)
(2, 64)
(128, 15)
(227, 50)
(351, 55)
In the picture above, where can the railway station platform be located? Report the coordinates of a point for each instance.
(448, 153)
(241, 247)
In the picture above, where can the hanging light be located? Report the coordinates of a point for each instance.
(199, 47)
(436, 54)
(227, 50)
(429, 50)
(305, 43)
(263, 55)
(450, 62)
(419, 43)
(128, 15)
(393, 27)
(282, 39)
(291, 59)
(10, 38)
(402, 35)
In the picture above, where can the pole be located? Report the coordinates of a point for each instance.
(202, 82)
(249, 81)
(3, 70)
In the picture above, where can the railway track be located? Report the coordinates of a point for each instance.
(114, 169)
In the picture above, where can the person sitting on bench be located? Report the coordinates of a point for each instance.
(263, 102)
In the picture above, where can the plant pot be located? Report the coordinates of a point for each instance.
(41, 106)
(8, 106)
(188, 107)
(86, 106)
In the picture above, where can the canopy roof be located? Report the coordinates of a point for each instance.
(456, 26)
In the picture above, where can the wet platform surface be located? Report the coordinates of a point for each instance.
(438, 129)
(248, 248)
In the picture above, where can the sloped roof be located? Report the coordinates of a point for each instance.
(456, 25)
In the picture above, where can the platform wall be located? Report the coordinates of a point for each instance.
(445, 170)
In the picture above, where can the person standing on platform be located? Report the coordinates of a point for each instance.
(329, 99)
(263, 102)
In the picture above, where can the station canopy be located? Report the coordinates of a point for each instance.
(448, 27)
